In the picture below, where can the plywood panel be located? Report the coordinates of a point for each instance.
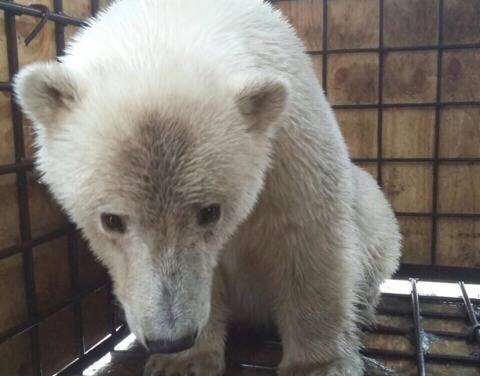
(409, 186)
(410, 77)
(462, 21)
(3, 50)
(451, 346)
(410, 22)
(353, 29)
(353, 78)
(45, 214)
(460, 132)
(13, 307)
(76, 8)
(359, 127)
(58, 345)
(91, 272)
(52, 274)
(7, 147)
(96, 325)
(387, 342)
(459, 188)
(9, 219)
(449, 325)
(448, 370)
(307, 17)
(18, 353)
(43, 46)
(459, 242)
(461, 77)
(408, 133)
(417, 240)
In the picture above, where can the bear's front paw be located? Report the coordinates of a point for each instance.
(188, 364)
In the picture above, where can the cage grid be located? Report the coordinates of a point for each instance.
(23, 166)
(420, 355)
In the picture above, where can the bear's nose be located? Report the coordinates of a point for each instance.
(168, 346)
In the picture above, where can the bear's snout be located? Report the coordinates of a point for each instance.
(169, 346)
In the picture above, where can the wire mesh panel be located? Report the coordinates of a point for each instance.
(55, 304)
(402, 77)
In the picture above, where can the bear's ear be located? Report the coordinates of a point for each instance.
(45, 91)
(261, 100)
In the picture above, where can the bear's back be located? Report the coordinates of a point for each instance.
(155, 36)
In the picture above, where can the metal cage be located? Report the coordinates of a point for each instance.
(392, 305)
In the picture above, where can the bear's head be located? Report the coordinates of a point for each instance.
(158, 175)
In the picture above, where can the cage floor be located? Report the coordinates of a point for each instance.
(415, 335)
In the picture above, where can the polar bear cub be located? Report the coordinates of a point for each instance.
(193, 146)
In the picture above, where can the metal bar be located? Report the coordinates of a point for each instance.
(75, 283)
(34, 323)
(457, 160)
(380, 98)
(418, 330)
(22, 192)
(325, 47)
(460, 360)
(76, 367)
(474, 330)
(111, 309)
(384, 49)
(257, 369)
(19, 10)
(95, 5)
(24, 165)
(404, 104)
(440, 215)
(5, 86)
(59, 28)
(439, 273)
(436, 146)
(14, 250)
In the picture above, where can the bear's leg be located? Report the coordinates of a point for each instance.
(207, 356)
(318, 331)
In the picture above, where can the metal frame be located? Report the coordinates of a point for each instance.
(416, 333)
(23, 166)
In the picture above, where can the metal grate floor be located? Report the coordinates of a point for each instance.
(415, 335)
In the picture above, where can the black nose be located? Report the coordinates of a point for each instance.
(166, 346)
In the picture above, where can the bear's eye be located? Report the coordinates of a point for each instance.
(209, 214)
(113, 223)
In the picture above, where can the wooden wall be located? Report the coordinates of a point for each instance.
(409, 110)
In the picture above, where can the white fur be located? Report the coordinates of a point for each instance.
(305, 237)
